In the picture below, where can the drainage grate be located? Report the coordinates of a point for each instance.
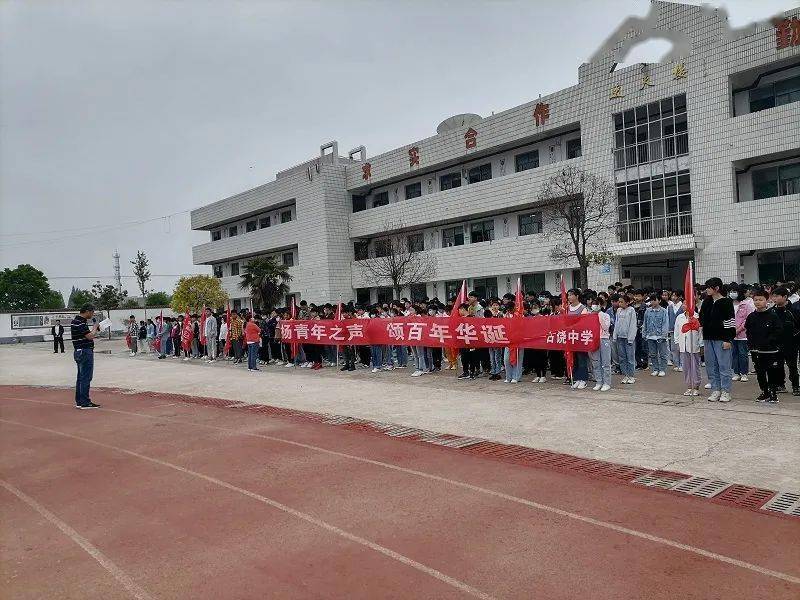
(746, 496)
(701, 486)
(787, 503)
(659, 480)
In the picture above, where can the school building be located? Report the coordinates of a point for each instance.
(703, 150)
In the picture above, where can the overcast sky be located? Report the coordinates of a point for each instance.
(117, 112)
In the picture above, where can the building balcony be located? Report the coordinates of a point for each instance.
(526, 254)
(514, 191)
(261, 241)
(655, 227)
(259, 199)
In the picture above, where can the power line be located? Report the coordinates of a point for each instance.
(90, 227)
(111, 276)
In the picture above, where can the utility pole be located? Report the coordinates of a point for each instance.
(117, 273)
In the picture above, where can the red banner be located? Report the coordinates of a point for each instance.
(578, 333)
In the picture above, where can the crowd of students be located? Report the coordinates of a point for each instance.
(640, 330)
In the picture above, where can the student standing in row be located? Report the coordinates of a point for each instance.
(601, 358)
(688, 345)
(764, 329)
(656, 331)
(718, 320)
(790, 338)
(625, 331)
(742, 306)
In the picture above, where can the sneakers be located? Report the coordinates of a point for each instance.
(375, 369)
(288, 365)
(688, 392)
(628, 380)
(796, 391)
(597, 387)
(514, 381)
(579, 385)
(87, 406)
(605, 387)
(715, 395)
(707, 386)
(416, 373)
(661, 373)
(679, 369)
(743, 378)
(763, 397)
(463, 376)
(736, 378)
(654, 373)
(725, 397)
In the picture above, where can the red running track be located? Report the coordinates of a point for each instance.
(152, 499)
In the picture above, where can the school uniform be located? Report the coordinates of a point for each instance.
(764, 330)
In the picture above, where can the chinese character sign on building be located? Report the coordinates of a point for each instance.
(787, 33)
(471, 138)
(413, 156)
(366, 171)
(575, 333)
(541, 113)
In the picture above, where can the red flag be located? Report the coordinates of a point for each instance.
(338, 316)
(295, 347)
(692, 324)
(187, 334)
(203, 326)
(228, 334)
(460, 299)
(568, 357)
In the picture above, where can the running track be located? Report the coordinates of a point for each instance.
(148, 499)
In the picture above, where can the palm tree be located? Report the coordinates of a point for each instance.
(266, 280)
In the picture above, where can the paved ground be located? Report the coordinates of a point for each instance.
(649, 425)
(148, 500)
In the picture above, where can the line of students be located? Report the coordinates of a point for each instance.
(640, 329)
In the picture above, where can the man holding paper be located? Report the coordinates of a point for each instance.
(83, 343)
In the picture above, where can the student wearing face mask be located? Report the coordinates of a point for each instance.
(601, 358)
(742, 306)
(656, 331)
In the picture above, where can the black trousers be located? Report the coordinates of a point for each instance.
(58, 343)
(538, 360)
(236, 346)
(558, 364)
(470, 361)
(789, 353)
(436, 353)
(349, 356)
(769, 370)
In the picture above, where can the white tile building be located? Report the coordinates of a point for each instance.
(703, 148)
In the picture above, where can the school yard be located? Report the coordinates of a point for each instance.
(199, 480)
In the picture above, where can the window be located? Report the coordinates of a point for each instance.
(233, 231)
(362, 296)
(453, 236)
(533, 283)
(416, 242)
(235, 268)
(288, 259)
(451, 290)
(779, 266)
(530, 223)
(250, 226)
(485, 288)
(783, 180)
(217, 271)
(359, 203)
(775, 94)
(382, 248)
(450, 181)
(483, 231)
(286, 216)
(216, 235)
(655, 207)
(380, 199)
(650, 132)
(526, 160)
(574, 148)
(264, 222)
(361, 250)
(237, 304)
(385, 295)
(481, 173)
(413, 190)
(419, 292)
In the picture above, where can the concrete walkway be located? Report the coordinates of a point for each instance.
(649, 424)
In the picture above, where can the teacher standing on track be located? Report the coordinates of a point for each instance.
(83, 342)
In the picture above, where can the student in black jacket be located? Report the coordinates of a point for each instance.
(718, 322)
(764, 329)
(790, 337)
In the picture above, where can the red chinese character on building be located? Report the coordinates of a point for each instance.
(413, 156)
(366, 171)
(471, 138)
(541, 113)
(787, 33)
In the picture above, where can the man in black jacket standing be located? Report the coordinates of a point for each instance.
(718, 321)
(57, 331)
(790, 337)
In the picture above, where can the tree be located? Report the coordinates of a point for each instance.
(130, 303)
(266, 280)
(54, 301)
(142, 274)
(78, 298)
(579, 215)
(26, 288)
(399, 260)
(158, 299)
(107, 297)
(192, 293)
